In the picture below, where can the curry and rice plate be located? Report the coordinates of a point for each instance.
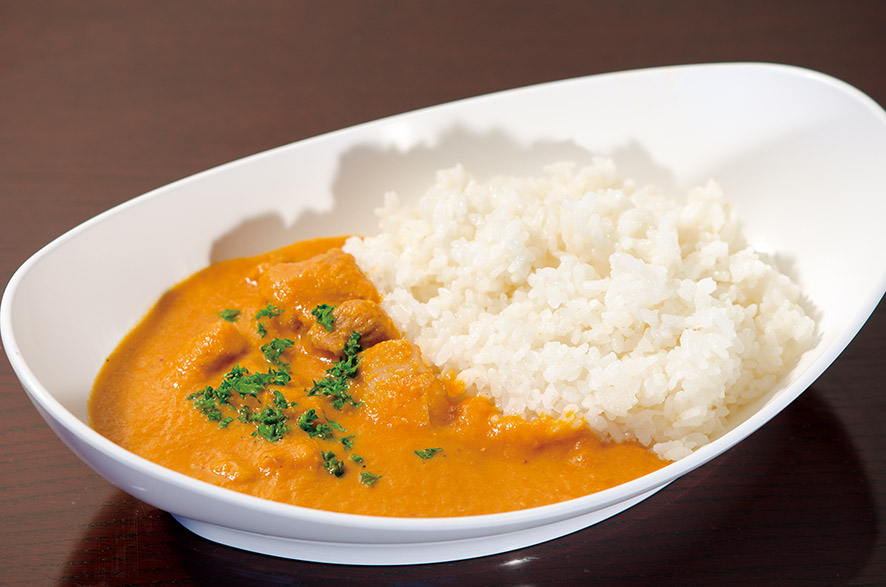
(533, 339)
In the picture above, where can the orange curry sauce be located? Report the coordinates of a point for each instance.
(359, 456)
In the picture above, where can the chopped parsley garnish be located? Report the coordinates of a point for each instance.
(335, 425)
(271, 423)
(229, 314)
(245, 414)
(309, 422)
(332, 465)
(306, 419)
(335, 384)
(428, 452)
(274, 349)
(368, 479)
(347, 366)
(246, 384)
(269, 311)
(280, 401)
(323, 314)
(270, 418)
(240, 381)
(279, 376)
(209, 402)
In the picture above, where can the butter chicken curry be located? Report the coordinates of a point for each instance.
(281, 376)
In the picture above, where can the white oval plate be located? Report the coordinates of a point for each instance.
(800, 153)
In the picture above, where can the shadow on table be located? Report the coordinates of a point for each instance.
(793, 502)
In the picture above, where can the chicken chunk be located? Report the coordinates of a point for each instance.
(362, 316)
(395, 383)
(330, 278)
(212, 350)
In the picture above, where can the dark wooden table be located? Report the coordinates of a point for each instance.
(102, 101)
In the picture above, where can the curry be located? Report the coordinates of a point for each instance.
(281, 376)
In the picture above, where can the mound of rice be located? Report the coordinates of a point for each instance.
(577, 294)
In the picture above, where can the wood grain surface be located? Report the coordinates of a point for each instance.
(102, 101)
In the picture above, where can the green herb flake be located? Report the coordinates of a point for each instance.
(209, 401)
(427, 452)
(332, 465)
(229, 314)
(309, 422)
(245, 384)
(275, 348)
(335, 384)
(368, 479)
(279, 376)
(323, 314)
(357, 458)
(269, 311)
(335, 425)
(271, 423)
(280, 400)
(245, 414)
(305, 420)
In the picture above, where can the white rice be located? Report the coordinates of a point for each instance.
(576, 294)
